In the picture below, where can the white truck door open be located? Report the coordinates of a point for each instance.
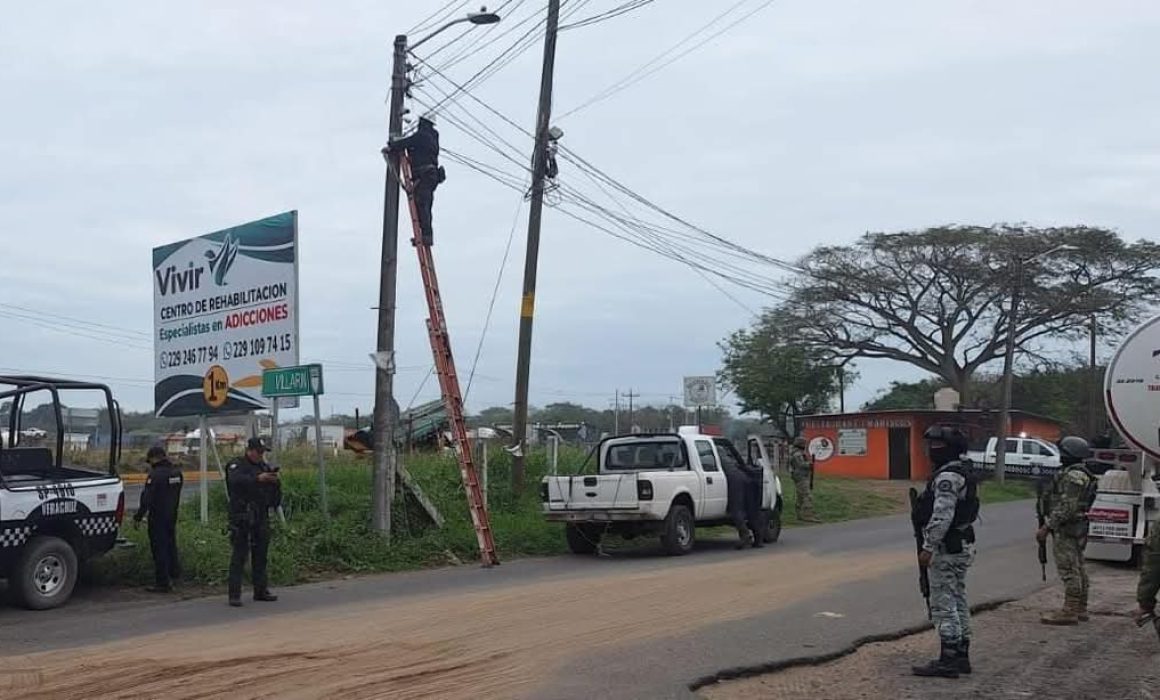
(758, 455)
(715, 490)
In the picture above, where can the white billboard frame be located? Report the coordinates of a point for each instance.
(225, 307)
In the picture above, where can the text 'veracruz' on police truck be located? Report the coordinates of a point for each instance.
(52, 516)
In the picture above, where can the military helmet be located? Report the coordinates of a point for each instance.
(952, 435)
(1073, 449)
(799, 442)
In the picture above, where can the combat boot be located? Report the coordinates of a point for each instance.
(945, 666)
(1081, 608)
(963, 656)
(743, 540)
(1066, 616)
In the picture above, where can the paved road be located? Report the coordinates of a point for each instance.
(634, 625)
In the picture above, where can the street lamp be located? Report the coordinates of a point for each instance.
(476, 18)
(1009, 356)
(386, 409)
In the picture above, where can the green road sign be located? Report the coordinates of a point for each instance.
(305, 380)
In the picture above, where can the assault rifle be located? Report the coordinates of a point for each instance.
(923, 579)
(1042, 521)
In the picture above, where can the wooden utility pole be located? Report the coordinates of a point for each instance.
(386, 410)
(1094, 402)
(528, 300)
(630, 396)
(616, 412)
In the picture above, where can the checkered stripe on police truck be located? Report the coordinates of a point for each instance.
(97, 525)
(14, 536)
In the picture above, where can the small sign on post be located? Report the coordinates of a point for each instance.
(303, 380)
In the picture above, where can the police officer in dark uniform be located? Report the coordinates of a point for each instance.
(423, 147)
(254, 487)
(159, 502)
(743, 485)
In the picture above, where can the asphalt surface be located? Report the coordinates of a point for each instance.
(659, 667)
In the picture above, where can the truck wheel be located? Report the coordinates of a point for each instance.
(45, 573)
(582, 539)
(772, 525)
(680, 531)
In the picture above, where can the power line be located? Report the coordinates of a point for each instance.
(482, 41)
(101, 327)
(660, 61)
(607, 15)
(430, 21)
(494, 295)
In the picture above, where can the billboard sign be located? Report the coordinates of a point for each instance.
(700, 391)
(225, 309)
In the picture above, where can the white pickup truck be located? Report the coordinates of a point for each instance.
(666, 484)
(1025, 456)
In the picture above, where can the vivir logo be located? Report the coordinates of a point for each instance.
(171, 279)
(221, 260)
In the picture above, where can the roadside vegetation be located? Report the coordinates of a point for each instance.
(310, 547)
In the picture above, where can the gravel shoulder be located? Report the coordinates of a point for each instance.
(1013, 654)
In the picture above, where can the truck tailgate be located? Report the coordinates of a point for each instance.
(598, 492)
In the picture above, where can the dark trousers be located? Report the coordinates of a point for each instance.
(249, 536)
(744, 503)
(424, 201)
(163, 546)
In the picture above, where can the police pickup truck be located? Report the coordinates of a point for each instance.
(657, 484)
(52, 516)
(1025, 456)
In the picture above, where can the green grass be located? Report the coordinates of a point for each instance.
(839, 499)
(308, 547)
(994, 492)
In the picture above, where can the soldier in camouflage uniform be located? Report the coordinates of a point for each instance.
(800, 468)
(1149, 583)
(1065, 508)
(948, 548)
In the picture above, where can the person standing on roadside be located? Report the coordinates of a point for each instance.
(1066, 505)
(254, 487)
(160, 500)
(946, 512)
(801, 468)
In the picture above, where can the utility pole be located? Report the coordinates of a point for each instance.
(1094, 388)
(386, 410)
(528, 301)
(1008, 360)
(630, 396)
(616, 412)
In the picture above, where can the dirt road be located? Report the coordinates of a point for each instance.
(1014, 656)
(484, 644)
(633, 625)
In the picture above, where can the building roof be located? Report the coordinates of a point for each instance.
(972, 412)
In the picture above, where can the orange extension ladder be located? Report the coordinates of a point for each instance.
(448, 379)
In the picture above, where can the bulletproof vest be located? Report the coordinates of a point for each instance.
(1090, 491)
(966, 510)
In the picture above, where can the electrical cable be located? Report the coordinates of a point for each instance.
(652, 66)
(607, 15)
(494, 295)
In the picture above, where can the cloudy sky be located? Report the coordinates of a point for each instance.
(129, 125)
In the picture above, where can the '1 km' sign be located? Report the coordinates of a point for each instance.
(305, 380)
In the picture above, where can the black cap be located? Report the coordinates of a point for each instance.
(257, 444)
(155, 452)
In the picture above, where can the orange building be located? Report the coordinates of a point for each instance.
(889, 445)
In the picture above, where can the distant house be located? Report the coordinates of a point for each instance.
(889, 444)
